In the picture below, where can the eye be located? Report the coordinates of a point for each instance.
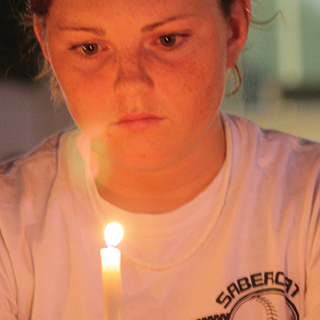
(171, 42)
(90, 48)
(168, 40)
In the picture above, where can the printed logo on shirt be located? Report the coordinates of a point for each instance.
(265, 296)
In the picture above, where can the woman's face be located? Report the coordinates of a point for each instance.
(144, 79)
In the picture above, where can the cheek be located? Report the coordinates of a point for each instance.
(77, 76)
(197, 85)
(85, 92)
(84, 104)
(203, 69)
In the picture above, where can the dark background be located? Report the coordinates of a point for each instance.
(14, 61)
(27, 114)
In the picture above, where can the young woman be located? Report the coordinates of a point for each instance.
(220, 217)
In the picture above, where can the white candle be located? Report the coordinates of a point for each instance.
(111, 273)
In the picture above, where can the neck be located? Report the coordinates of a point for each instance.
(168, 188)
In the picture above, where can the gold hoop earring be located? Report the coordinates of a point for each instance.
(237, 80)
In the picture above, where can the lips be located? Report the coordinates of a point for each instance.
(136, 122)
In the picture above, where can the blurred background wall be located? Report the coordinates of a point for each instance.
(280, 67)
(27, 114)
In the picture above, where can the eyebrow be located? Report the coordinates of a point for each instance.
(97, 31)
(153, 26)
(147, 28)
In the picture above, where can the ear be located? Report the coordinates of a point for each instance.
(39, 30)
(238, 29)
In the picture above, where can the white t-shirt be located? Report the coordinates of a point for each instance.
(247, 247)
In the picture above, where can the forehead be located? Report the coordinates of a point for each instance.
(129, 10)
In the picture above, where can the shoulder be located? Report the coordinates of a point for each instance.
(281, 165)
(45, 153)
(270, 145)
(42, 154)
(28, 179)
(277, 171)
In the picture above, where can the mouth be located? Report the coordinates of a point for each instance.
(137, 122)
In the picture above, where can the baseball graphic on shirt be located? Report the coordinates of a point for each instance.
(264, 305)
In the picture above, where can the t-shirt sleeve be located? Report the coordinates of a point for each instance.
(312, 295)
(8, 301)
(25, 185)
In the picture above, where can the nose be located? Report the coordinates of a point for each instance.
(132, 78)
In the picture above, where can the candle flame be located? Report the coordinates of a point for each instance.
(113, 234)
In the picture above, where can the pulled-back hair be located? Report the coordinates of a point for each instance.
(41, 7)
